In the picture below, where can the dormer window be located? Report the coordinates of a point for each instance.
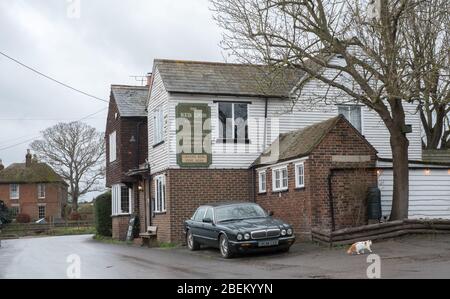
(353, 114)
(233, 122)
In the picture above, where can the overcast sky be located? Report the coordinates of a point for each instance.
(109, 42)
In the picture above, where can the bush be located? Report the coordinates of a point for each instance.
(5, 216)
(103, 220)
(23, 218)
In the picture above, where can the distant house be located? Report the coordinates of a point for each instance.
(126, 152)
(33, 188)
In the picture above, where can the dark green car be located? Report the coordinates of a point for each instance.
(237, 228)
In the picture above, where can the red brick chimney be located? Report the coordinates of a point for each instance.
(29, 158)
(149, 79)
(1, 165)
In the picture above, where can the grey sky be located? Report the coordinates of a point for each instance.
(112, 40)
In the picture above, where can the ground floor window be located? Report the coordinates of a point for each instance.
(121, 200)
(300, 175)
(160, 194)
(262, 178)
(42, 213)
(14, 211)
(280, 179)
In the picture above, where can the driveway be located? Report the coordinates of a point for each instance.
(411, 257)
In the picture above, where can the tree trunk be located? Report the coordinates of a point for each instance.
(400, 200)
(75, 204)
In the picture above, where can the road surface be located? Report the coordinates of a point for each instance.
(411, 257)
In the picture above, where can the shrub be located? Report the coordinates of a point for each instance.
(103, 220)
(5, 216)
(23, 218)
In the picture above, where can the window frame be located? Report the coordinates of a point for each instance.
(280, 170)
(39, 211)
(262, 190)
(297, 175)
(40, 188)
(361, 114)
(17, 192)
(158, 126)
(15, 207)
(233, 139)
(160, 207)
(113, 147)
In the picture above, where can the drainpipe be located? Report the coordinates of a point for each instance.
(265, 123)
(150, 222)
(330, 199)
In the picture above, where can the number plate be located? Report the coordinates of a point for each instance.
(268, 243)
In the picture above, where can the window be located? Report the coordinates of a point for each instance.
(41, 191)
(300, 175)
(198, 217)
(14, 211)
(113, 147)
(209, 214)
(353, 114)
(41, 212)
(121, 200)
(158, 126)
(262, 178)
(280, 179)
(14, 191)
(233, 122)
(160, 196)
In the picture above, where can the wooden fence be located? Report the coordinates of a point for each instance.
(15, 230)
(381, 231)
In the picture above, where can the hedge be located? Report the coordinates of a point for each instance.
(103, 220)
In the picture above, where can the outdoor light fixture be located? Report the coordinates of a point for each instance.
(379, 172)
(132, 140)
(427, 172)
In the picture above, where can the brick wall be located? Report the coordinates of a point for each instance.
(310, 207)
(120, 227)
(55, 199)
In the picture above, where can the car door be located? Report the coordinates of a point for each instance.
(208, 231)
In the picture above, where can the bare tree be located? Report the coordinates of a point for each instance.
(428, 35)
(368, 35)
(76, 152)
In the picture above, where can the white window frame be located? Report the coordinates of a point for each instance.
(262, 183)
(282, 179)
(16, 193)
(116, 192)
(158, 125)
(361, 114)
(113, 146)
(41, 191)
(298, 174)
(160, 207)
(39, 212)
(16, 206)
(233, 121)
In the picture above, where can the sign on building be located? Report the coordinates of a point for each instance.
(193, 123)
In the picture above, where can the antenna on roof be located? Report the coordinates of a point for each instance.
(141, 79)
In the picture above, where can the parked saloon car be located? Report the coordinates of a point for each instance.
(237, 228)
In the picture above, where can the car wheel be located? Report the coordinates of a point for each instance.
(224, 246)
(191, 243)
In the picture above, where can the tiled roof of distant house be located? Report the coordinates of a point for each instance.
(131, 100)
(211, 78)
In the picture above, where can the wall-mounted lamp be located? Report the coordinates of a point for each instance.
(133, 139)
(379, 172)
(427, 172)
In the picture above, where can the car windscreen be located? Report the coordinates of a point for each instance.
(238, 212)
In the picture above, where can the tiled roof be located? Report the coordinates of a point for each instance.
(227, 79)
(131, 100)
(300, 143)
(35, 173)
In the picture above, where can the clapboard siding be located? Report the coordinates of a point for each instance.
(429, 193)
(159, 155)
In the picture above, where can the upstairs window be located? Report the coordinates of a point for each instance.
(233, 122)
(14, 191)
(353, 114)
(158, 126)
(280, 179)
(113, 146)
(41, 191)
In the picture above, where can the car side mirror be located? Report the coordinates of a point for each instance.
(207, 220)
(271, 213)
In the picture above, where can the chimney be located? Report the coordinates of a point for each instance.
(1, 165)
(149, 79)
(29, 158)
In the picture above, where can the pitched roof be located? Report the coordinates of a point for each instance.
(300, 143)
(35, 173)
(215, 78)
(131, 100)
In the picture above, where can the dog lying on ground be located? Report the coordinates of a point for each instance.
(360, 247)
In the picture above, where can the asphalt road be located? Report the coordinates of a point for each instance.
(411, 257)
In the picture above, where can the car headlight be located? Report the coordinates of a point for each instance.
(290, 232)
(283, 232)
(240, 237)
(247, 236)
